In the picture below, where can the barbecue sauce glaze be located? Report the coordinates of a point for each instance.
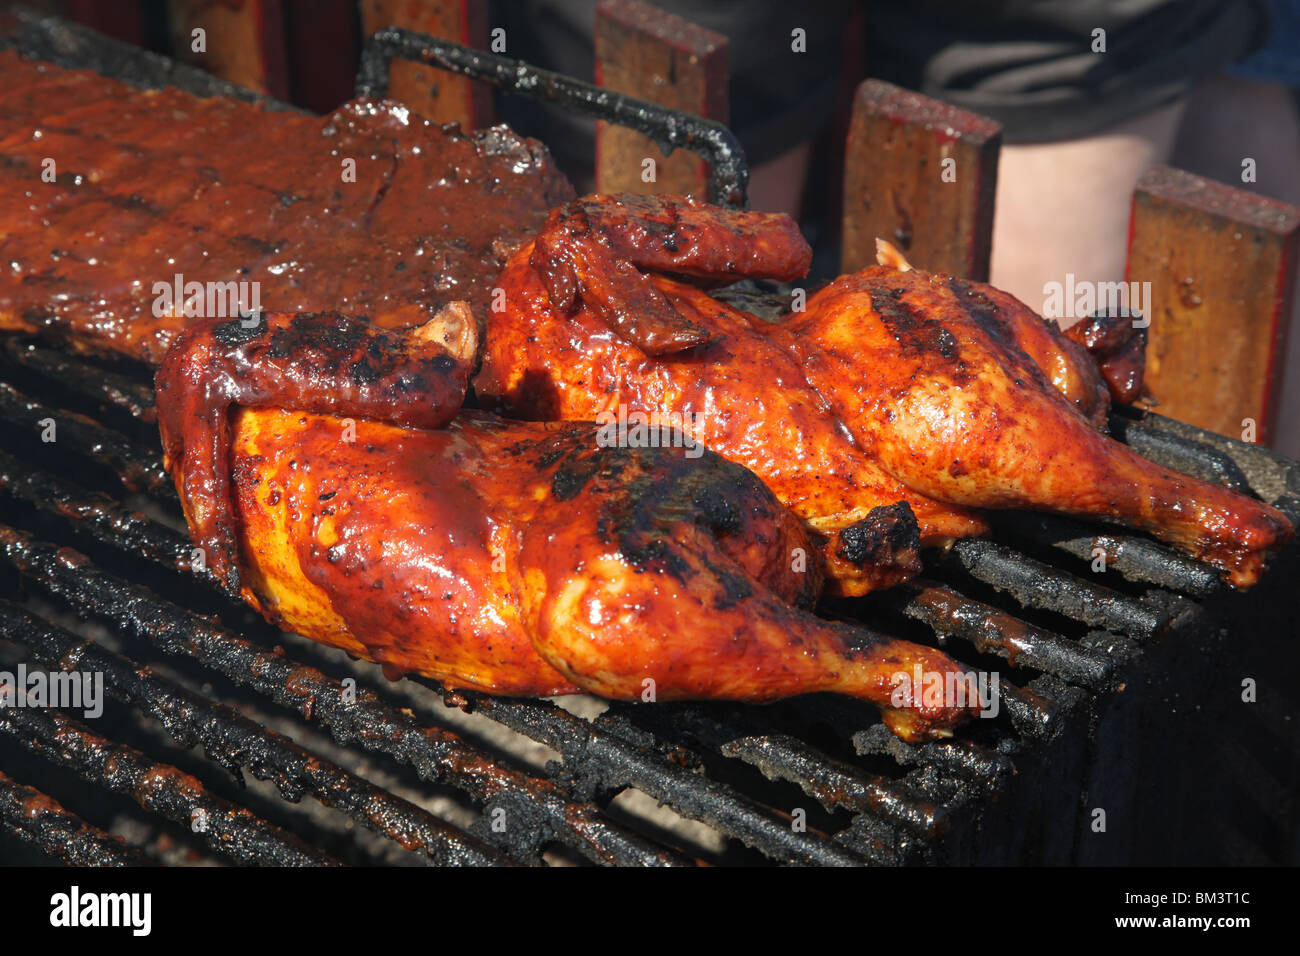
(371, 211)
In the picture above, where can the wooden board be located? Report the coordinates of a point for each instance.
(435, 94)
(244, 41)
(645, 52)
(903, 149)
(1221, 263)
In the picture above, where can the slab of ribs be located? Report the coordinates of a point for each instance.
(331, 468)
(371, 210)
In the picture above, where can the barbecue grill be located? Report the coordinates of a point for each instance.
(1121, 689)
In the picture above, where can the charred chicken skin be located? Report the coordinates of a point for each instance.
(892, 385)
(324, 469)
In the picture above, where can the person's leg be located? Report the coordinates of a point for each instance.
(1063, 207)
(778, 184)
(1229, 119)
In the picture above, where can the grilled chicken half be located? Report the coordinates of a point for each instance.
(892, 385)
(326, 470)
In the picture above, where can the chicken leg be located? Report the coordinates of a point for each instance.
(954, 411)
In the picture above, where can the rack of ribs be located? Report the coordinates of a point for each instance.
(371, 210)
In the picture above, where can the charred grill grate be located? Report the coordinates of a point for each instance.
(90, 529)
(743, 771)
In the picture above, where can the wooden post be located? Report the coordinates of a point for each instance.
(322, 41)
(242, 40)
(1221, 263)
(435, 94)
(645, 52)
(920, 174)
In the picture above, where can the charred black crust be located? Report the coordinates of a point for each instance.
(568, 482)
(658, 492)
(338, 343)
(576, 455)
(883, 534)
(234, 333)
(367, 371)
(550, 458)
(988, 316)
(719, 507)
(982, 309)
(735, 587)
(915, 332)
(643, 495)
(327, 332)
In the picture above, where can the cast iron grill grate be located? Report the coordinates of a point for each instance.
(109, 547)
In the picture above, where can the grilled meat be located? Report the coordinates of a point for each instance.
(1120, 350)
(509, 557)
(942, 398)
(318, 362)
(548, 356)
(891, 385)
(371, 210)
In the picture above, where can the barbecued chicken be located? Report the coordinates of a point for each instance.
(892, 385)
(113, 192)
(324, 470)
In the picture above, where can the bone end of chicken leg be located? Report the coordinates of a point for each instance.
(889, 257)
(453, 328)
